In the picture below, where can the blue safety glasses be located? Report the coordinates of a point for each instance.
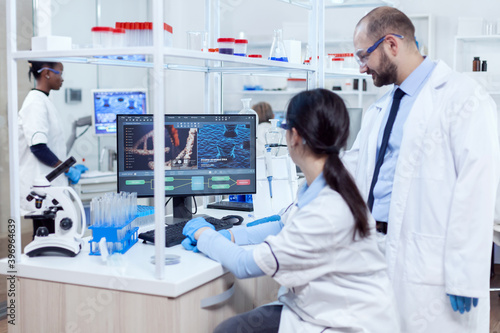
(362, 55)
(49, 69)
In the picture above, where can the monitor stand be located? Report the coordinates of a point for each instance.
(183, 210)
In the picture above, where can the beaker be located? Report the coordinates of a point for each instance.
(273, 137)
(197, 40)
(278, 52)
(247, 110)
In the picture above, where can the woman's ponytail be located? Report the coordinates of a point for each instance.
(340, 180)
(321, 118)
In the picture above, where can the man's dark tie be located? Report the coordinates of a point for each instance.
(398, 94)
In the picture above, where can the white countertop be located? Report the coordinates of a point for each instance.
(135, 273)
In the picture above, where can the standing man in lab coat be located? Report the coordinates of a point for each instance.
(427, 161)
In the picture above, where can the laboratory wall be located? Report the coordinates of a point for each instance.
(25, 31)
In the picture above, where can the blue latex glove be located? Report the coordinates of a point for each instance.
(186, 243)
(73, 175)
(461, 303)
(264, 220)
(190, 229)
(81, 167)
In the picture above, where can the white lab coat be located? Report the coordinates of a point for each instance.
(332, 281)
(39, 122)
(441, 215)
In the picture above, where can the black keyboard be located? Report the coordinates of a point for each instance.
(232, 205)
(173, 232)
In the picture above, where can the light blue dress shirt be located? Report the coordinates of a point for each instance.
(383, 188)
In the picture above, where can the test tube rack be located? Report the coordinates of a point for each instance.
(122, 237)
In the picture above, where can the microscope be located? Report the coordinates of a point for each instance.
(55, 217)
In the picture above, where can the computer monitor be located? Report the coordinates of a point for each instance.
(204, 155)
(280, 115)
(355, 118)
(110, 102)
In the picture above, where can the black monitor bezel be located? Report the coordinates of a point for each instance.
(179, 195)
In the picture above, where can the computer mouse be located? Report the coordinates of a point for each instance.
(234, 219)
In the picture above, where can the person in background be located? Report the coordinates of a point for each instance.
(265, 114)
(264, 111)
(42, 145)
(323, 250)
(427, 161)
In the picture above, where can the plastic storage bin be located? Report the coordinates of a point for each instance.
(337, 64)
(168, 35)
(119, 37)
(102, 37)
(342, 61)
(141, 33)
(240, 47)
(296, 84)
(226, 45)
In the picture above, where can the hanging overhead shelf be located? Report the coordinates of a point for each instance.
(175, 59)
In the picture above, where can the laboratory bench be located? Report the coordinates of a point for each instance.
(86, 294)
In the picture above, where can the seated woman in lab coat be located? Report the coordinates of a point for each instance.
(323, 250)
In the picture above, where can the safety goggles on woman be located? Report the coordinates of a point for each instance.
(50, 69)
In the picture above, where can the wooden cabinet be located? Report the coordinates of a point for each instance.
(48, 307)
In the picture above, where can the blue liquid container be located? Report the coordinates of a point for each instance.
(278, 52)
(283, 59)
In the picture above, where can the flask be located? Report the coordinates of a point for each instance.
(476, 64)
(484, 66)
(273, 137)
(247, 110)
(278, 52)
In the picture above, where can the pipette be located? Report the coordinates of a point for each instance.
(269, 169)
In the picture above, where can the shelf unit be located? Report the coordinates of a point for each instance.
(160, 59)
(470, 46)
(487, 47)
(316, 11)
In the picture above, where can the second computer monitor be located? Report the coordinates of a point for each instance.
(204, 154)
(107, 103)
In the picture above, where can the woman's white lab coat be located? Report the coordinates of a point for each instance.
(39, 122)
(333, 282)
(441, 215)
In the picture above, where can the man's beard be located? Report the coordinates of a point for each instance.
(387, 74)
